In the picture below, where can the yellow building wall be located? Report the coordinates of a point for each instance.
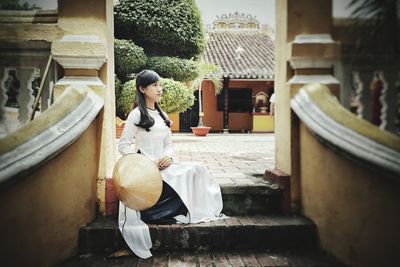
(42, 213)
(175, 122)
(355, 209)
(263, 123)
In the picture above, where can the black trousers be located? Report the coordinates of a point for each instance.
(167, 207)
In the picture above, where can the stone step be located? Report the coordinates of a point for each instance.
(251, 200)
(266, 258)
(238, 232)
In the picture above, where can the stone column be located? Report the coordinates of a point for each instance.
(87, 56)
(305, 53)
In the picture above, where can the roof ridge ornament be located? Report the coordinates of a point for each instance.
(236, 20)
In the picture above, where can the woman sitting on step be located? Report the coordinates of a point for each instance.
(189, 194)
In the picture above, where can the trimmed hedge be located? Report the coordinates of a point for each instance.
(118, 87)
(127, 97)
(183, 70)
(161, 27)
(118, 90)
(129, 58)
(176, 96)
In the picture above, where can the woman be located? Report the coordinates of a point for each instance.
(190, 195)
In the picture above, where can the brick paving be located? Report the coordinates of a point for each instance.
(232, 159)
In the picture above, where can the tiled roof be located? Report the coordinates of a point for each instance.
(241, 54)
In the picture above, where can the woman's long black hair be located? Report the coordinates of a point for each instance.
(143, 79)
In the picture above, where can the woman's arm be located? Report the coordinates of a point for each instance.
(128, 134)
(168, 147)
(168, 157)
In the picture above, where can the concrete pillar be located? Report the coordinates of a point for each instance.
(304, 53)
(86, 52)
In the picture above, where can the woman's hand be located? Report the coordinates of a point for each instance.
(164, 162)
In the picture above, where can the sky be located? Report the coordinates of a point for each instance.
(45, 4)
(264, 10)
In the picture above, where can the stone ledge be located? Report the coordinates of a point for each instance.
(238, 200)
(28, 16)
(241, 232)
(28, 32)
(80, 52)
(282, 180)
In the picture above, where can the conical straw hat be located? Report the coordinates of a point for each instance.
(138, 182)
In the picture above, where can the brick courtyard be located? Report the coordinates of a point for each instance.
(232, 159)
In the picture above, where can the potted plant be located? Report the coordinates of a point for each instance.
(206, 72)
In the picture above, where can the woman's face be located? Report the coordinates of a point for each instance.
(153, 91)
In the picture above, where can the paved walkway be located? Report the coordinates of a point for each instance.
(232, 159)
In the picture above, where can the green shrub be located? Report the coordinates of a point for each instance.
(118, 87)
(161, 27)
(118, 90)
(127, 97)
(176, 96)
(129, 58)
(16, 5)
(210, 72)
(172, 67)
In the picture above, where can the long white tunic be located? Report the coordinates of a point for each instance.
(197, 189)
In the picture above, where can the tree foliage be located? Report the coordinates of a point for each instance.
(183, 70)
(210, 72)
(129, 58)
(176, 96)
(16, 5)
(377, 28)
(161, 27)
(118, 89)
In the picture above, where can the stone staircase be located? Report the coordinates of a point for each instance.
(257, 233)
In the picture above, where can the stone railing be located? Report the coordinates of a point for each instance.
(375, 97)
(45, 137)
(369, 78)
(343, 132)
(21, 73)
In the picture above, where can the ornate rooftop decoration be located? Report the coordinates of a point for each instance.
(236, 20)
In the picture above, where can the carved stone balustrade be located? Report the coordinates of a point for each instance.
(22, 65)
(375, 97)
